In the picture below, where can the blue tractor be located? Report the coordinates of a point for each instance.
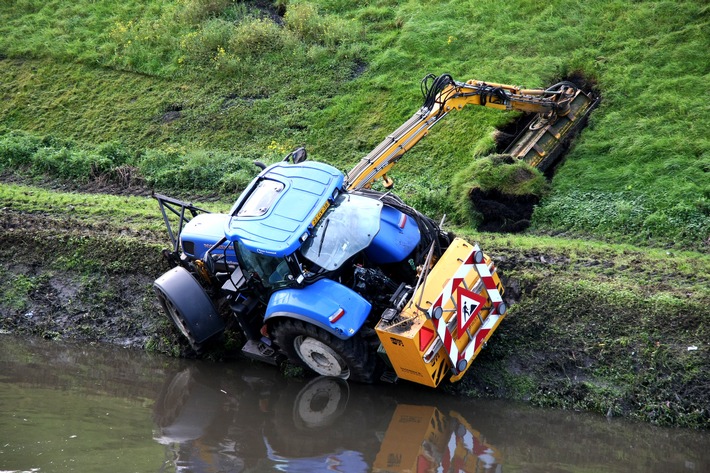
(305, 266)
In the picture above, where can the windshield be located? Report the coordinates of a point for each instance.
(347, 228)
(271, 271)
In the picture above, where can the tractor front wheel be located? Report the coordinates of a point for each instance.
(189, 307)
(324, 353)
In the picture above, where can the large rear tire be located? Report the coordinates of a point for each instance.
(325, 354)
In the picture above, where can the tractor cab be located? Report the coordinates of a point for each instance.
(280, 207)
(270, 220)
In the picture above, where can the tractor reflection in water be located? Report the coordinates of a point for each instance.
(253, 421)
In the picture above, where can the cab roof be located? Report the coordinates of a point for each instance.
(281, 205)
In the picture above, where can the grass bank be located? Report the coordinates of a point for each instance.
(181, 96)
(197, 84)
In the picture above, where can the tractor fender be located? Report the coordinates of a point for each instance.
(320, 304)
(189, 306)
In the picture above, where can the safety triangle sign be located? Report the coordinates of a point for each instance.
(469, 304)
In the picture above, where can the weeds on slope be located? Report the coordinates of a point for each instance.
(339, 76)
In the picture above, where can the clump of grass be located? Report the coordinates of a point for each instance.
(60, 158)
(195, 11)
(259, 36)
(503, 173)
(173, 169)
(16, 289)
(17, 149)
(201, 170)
(312, 27)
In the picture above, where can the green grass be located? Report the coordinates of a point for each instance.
(600, 327)
(181, 96)
(82, 206)
(35, 208)
(16, 289)
(214, 84)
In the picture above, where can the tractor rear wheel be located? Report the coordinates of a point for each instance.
(324, 353)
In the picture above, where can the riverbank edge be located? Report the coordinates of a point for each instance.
(616, 331)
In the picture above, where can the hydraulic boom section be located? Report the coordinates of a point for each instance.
(443, 94)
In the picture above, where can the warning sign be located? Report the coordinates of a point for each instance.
(469, 305)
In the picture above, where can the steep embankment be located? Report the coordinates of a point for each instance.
(613, 329)
(68, 274)
(189, 92)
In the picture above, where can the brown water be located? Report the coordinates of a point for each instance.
(80, 408)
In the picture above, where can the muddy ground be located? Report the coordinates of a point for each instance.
(613, 331)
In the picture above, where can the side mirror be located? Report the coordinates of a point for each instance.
(296, 156)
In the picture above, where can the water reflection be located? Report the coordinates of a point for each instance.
(213, 423)
(85, 409)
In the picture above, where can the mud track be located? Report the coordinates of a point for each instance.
(64, 278)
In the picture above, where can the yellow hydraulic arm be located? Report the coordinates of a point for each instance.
(443, 94)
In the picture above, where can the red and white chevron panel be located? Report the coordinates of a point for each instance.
(474, 260)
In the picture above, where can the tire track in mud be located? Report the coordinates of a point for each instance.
(30, 222)
(77, 278)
